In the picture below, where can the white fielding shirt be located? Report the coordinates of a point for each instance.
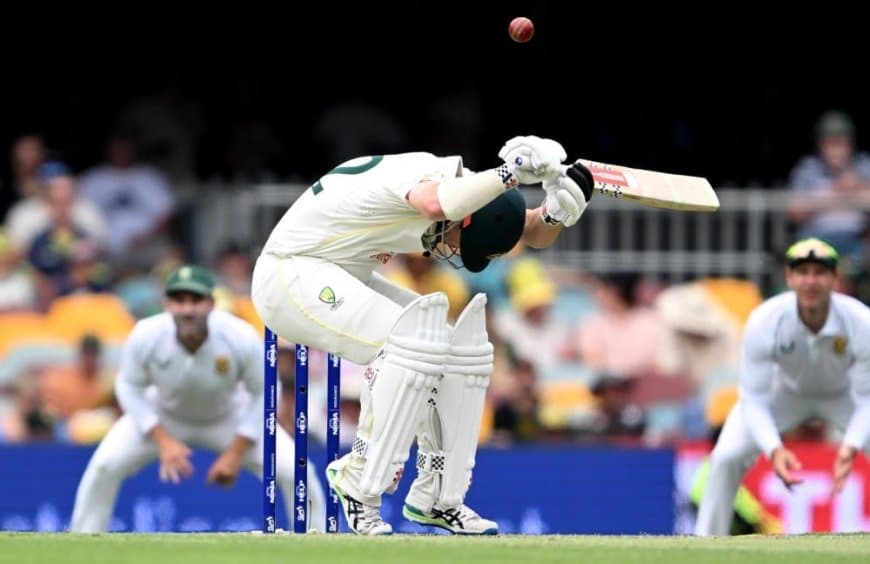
(201, 387)
(782, 356)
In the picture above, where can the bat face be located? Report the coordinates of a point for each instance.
(652, 188)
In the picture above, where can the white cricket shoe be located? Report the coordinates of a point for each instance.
(461, 520)
(361, 518)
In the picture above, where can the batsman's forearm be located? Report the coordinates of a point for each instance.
(536, 233)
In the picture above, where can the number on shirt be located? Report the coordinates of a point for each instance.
(317, 187)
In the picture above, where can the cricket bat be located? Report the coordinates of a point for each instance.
(651, 188)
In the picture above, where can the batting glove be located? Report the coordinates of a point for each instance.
(567, 195)
(533, 159)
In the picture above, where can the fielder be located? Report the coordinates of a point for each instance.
(189, 377)
(806, 353)
(314, 283)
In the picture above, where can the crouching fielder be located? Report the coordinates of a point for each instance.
(315, 284)
(189, 377)
(806, 353)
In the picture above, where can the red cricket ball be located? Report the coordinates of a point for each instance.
(521, 29)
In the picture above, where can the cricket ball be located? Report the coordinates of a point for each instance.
(521, 29)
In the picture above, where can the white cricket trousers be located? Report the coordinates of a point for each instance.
(736, 451)
(124, 451)
(318, 303)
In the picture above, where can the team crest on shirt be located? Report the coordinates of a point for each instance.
(327, 296)
(840, 343)
(222, 365)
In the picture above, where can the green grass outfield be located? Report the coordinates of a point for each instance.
(410, 549)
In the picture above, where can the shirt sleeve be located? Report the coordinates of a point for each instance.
(133, 380)
(252, 380)
(858, 430)
(756, 384)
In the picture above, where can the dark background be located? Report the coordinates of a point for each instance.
(728, 92)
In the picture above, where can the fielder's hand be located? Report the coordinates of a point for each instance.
(174, 461)
(533, 159)
(785, 462)
(567, 195)
(225, 470)
(842, 467)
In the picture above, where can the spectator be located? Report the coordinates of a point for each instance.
(135, 198)
(234, 269)
(66, 258)
(600, 339)
(26, 421)
(515, 417)
(33, 215)
(529, 328)
(831, 188)
(699, 340)
(616, 416)
(70, 391)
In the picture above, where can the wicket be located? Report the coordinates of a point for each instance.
(300, 435)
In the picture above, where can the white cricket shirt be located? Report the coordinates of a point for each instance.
(782, 356)
(198, 387)
(357, 215)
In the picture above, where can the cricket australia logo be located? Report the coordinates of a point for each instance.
(327, 296)
(300, 513)
(301, 423)
(332, 524)
(270, 524)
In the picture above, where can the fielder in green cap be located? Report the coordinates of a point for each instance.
(190, 278)
(200, 360)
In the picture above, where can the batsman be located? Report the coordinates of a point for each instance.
(315, 283)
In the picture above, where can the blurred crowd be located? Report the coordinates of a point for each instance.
(580, 356)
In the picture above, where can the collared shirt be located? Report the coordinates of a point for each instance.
(782, 356)
(198, 387)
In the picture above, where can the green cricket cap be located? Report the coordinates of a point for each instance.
(190, 278)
